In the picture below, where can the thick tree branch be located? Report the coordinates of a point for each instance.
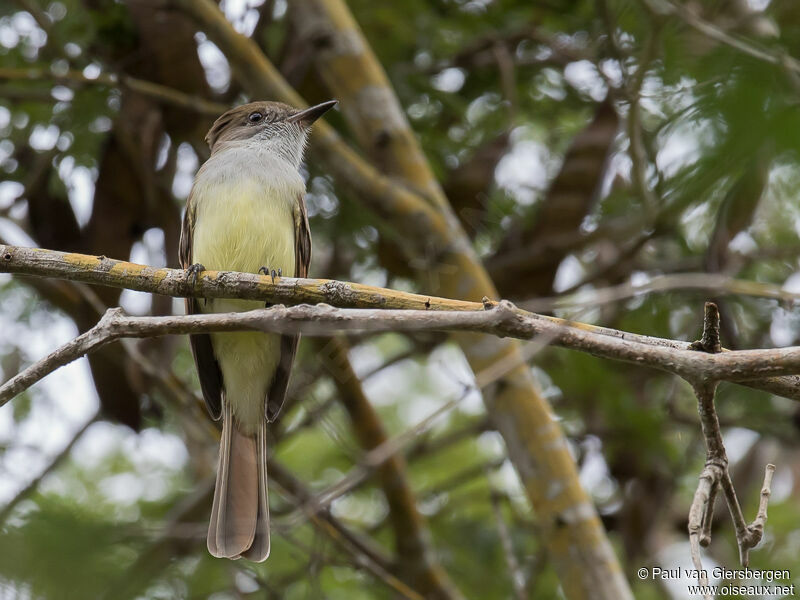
(502, 320)
(412, 312)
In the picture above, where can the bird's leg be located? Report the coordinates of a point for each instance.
(270, 273)
(192, 271)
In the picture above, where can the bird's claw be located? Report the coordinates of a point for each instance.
(271, 273)
(192, 271)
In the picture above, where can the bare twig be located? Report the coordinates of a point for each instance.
(715, 474)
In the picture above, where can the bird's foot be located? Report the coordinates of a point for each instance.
(192, 271)
(271, 273)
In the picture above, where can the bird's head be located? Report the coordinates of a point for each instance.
(280, 127)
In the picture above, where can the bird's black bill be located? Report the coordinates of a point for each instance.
(308, 116)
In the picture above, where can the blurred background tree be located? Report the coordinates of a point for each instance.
(581, 144)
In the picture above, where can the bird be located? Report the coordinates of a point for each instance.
(246, 212)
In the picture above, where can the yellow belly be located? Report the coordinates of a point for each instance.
(243, 226)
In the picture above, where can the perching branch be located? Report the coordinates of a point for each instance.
(382, 310)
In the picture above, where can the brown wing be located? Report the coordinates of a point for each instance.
(302, 253)
(207, 367)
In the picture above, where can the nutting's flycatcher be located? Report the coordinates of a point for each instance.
(246, 213)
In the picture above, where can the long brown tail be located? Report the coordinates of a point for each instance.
(239, 525)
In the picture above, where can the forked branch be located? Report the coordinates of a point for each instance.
(716, 474)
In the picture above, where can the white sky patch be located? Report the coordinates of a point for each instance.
(743, 243)
(62, 93)
(6, 151)
(676, 151)
(10, 191)
(92, 71)
(785, 324)
(72, 49)
(98, 443)
(682, 144)
(148, 251)
(594, 474)
(20, 120)
(584, 77)
(5, 117)
(695, 223)
(653, 95)
(612, 70)
(738, 442)
(523, 171)
(280, 8)
(783, 328)
(570, 272)
(184, 171)
(449, 80)
(101, 124)
(9, 37)
(481, 107)
(124, 488)
(678, 556)
(163, 151)
(27, 27)
(218, 71)
(43, 137)
(156, 449)
(137, 303)
(56, 10)
(792, 284)
(782, 485)
(242, 14)
(550, 83)
(80, 190)
(14, 234)
(153, 240)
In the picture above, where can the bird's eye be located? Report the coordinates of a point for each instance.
(255, 117)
